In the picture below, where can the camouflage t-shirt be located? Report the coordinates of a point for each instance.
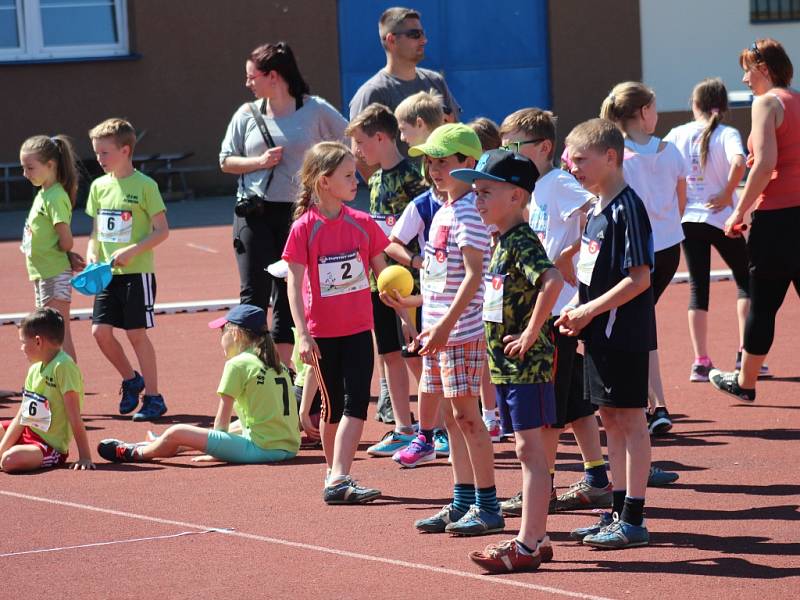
(390, 191)
(517, 263)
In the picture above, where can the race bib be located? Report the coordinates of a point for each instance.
(27, 237)
(341, 274)
(114, 226)
(385, 222)
(493, 298)
(587, 259)
(434, 271)
(35, 411)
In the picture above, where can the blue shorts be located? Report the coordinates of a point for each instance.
(527, 405)
(234, 448)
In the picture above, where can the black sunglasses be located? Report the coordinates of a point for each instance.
(413, 34)
(515, 146)
(757, 53)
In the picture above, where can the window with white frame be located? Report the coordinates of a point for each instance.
(59, 29)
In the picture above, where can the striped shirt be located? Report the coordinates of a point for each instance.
(454, 226)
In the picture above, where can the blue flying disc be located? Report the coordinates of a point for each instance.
(93, 279)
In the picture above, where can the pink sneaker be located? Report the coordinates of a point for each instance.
(417, 452)
(495, 432)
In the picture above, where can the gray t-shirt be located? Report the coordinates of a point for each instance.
(316, 121)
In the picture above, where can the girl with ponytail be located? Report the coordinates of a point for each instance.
(49, 164)
(714, 157)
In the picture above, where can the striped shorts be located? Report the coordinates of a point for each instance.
(456, 371)
(127, 302)
(57, 287)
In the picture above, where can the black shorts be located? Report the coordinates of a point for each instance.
(615, 378)
(388, 330)
(127, 302)
(346, 368)
(571, 403)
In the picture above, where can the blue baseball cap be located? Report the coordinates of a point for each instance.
(244, 315)
(93, 279)
(502, 165)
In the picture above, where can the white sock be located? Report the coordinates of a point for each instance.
(489, 415)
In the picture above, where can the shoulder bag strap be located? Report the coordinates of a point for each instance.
(262, 127)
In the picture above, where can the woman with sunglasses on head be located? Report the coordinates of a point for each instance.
(773, 189)
(264, 145)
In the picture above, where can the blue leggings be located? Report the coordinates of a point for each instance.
(234, 448)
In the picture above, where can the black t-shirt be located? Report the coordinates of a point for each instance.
(614, 241)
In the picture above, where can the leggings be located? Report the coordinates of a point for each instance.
(667, 261)
(697, 250)
(258, 242)
(774, 265)
(346, 365)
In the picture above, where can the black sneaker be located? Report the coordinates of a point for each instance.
(117, 451)
(658, 422)
(728, 382)
(348, 492)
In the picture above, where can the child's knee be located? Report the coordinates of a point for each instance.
(14, 462)
(467, 418)
(102, 333)
(136, 336)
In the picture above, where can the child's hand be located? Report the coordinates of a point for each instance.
(718, 203)
(735, 219)
(519, 344)
(573, 320)
(76, 262)
(308, 426)
(308, 348)
(83, 464)
(432, 340)
(123, 256)
(204, 458)
(566, 267)
(398, 302)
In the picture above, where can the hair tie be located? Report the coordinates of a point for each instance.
(714, 111)
(611, 97)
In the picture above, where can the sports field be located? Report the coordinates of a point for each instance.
(727, 529)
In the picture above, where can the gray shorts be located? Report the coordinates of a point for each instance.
(57, 287)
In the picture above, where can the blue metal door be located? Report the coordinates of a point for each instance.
(494, 55)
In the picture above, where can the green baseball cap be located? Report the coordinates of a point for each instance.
(449, 139)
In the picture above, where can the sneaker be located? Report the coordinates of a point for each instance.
(581, 495)
(606, 519)
(513, 506)
(495, 432)
(152, 408)
(658, 421)
(659, 477)
(129, 393)
(728, 382)
(392, 442)
(384, 412)
(763, 372)
(348, 492)
(438, 522)
(441, 443)
(477, 522)
(417, 452)
(117, 451)
(619, 535)
(700, 371)
(506, 557)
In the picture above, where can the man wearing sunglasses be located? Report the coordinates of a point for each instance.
(403, 39)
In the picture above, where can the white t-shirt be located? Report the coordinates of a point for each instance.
(555, 218)
(654, 177)
(702, 184)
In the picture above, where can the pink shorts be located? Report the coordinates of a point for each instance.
(51, 456)
(456, 371)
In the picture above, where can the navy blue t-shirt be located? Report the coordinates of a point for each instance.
(614, 241)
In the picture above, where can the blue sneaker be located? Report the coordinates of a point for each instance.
(441, 443)
(391, 443)
(580, 533)
(619, 535)
(152, 408)
(659, 477)
(129, 393)
(477, 522)
(438, 522)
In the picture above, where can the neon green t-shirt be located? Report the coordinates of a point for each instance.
(263, 401)
(43, 257)
(123, 211)
(43, 399)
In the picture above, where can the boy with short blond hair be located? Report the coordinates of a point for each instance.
(614, 314)
(391, 188)
(129, 221)
(517, 303)
(418, 115)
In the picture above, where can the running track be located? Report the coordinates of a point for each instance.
(728, 528)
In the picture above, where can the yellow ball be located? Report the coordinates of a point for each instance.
(396, 277)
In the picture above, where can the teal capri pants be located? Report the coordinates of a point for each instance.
(234, 448)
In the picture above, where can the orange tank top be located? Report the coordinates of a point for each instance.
(783, 189)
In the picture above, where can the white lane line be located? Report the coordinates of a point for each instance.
(109, 543)
(314, 548)
(203, 248)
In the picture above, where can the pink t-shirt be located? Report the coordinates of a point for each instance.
(336, 253)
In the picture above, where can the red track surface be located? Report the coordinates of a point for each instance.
(727, 528)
